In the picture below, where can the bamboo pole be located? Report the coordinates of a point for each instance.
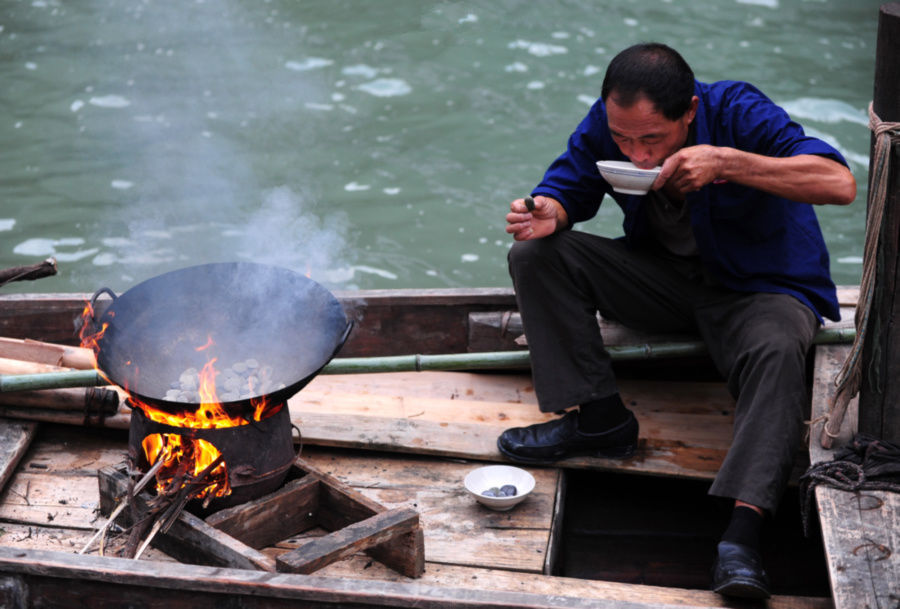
(492, 360)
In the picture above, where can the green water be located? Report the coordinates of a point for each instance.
(373, 144)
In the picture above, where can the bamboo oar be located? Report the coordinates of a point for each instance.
(496, 360)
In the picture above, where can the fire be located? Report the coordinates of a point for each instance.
(182, 454)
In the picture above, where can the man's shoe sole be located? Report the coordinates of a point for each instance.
(742, 587)
(612, 452)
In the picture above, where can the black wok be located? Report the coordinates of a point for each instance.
(285, 321)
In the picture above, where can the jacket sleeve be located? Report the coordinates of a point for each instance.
(761, 126)
(573, 178)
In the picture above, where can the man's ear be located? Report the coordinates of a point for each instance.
(692, 110)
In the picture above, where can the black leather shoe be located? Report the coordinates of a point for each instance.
(738, 572)
(560, 438)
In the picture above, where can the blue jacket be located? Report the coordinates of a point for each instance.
(748, 239)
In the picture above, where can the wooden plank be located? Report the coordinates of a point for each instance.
(457, 529)
(861, 531)
(15, 438)
(827, 363)
(48, 500)
(274, 517)
(54, 579)
(555, 539)
(685, 427)
(439, 575)
(387, 321)
(347, 541)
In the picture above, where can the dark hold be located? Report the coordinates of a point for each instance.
(529, 203)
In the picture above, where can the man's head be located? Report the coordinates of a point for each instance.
(649, 95)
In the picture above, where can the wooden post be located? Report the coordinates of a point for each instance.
(879, 401)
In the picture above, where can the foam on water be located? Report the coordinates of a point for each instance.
(850, 260)
(360, 69)
(765, 3)
(7, 223)
(51, 247)
(538, 49)
(109, 101)
(825, 110)
(310, 63)
(386, 87)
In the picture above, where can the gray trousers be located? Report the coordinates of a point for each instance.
(758, 341)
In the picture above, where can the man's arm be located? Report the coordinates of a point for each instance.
(807, 177)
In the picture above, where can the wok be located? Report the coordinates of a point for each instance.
(238, 311)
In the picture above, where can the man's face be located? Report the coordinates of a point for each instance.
(643, 134)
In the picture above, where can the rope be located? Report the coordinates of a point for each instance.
(849, 379)
(866, 464)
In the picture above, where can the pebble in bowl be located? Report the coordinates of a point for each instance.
(499, 487)
(624, 177)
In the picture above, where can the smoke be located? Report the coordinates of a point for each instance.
(282, 232)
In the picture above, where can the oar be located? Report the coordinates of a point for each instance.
(490, 360)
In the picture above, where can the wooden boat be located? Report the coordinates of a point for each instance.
(406, 440)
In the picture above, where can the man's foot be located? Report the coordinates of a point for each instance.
(560, 438)
(738, 572)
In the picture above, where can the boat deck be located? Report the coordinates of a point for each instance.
(407, 439)
(51, 498)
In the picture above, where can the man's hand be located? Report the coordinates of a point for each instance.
(547, 217)
(806, 177)
(690, 169)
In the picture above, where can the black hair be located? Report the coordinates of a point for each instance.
(652, 70)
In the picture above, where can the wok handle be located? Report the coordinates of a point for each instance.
(344, 338)
(94, 298)
(90, 319)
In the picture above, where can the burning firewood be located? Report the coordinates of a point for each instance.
(164, 509)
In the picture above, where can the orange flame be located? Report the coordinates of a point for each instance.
(193, 455)
(88, 338)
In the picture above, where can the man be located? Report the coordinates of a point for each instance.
(725, 244)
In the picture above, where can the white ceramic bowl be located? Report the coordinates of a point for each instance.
(490, 476)
(624, 177)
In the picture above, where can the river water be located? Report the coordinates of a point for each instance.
(371, 144)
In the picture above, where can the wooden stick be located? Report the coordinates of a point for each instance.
(122, 504)
(91, 401)
(157, 527)
(32, 271)
(53, 354)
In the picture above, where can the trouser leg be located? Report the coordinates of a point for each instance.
(760, 343)
(561, 283)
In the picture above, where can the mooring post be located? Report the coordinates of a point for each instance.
(879, 398)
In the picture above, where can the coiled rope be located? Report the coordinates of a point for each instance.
(849, 379)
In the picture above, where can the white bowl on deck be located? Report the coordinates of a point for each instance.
(490, 476)
(624, 177)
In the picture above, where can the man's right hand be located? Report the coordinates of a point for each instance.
(548, 217)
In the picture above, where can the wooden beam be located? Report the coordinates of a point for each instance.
(58, 579)
(347, 541)
(879, 410)
(265, 521)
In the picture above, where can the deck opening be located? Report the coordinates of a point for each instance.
(663, 532)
